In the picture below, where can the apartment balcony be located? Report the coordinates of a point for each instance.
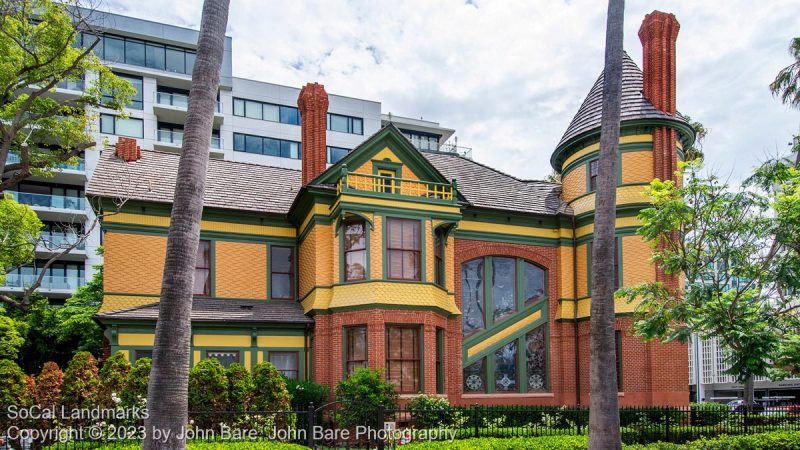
(53, 207)
(466, 152)
(172, 141)
(170, 107)
(64, 173)
(55, 242)
(398, 188)
(55, 286)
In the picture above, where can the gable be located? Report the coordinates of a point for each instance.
(386, 150)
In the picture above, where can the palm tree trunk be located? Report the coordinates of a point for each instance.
(167, 393)
(604, 404)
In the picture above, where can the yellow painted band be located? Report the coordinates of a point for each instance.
(205, 225)
(485, 227)
(136, 339)
(126, 354)
(495, 338)
(596, 146)
(281, 341)
(318, 209)
(216, 340)
(621, 222)
(399, 204)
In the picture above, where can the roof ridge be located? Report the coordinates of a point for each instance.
(456, 155)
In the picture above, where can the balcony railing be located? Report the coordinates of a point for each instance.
(359, 182)
(14, 280)
(54, 240)
(178, 100)
(72, 85)
(176, 137)
(466, 152)
(48, 201)
(14, 158)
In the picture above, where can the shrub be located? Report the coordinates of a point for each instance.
(113, 377)
(775, 440)
(305, 393)
(543, 443)
(709, 413)
(208, 386)
(240, 387)
(12, 336)
(49, 383)
(361, 393)
(81, 382)
(135, 391)
(12, 384)
(429, 411)
(270, 394)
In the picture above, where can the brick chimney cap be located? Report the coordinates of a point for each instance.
(661, 20)
(312, 96)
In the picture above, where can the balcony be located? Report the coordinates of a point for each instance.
(400, 188)
(71, 85)
(171, 107)
(466, 152)
(172, 141)
(52, 207)
(54, 242)
(64, 173)
(58, 285)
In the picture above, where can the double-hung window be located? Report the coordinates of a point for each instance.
(403, 249)
(593, 169)
(355, 250)
(355, 348)
(438, 257)
(403, 358)
(287, 363)
(282, 268)
(202, 269)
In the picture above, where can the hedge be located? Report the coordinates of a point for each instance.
(210, 446)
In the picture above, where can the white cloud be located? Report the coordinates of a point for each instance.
(509, 75)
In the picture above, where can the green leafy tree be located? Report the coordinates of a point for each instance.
(19, 232)
(12, 336)
(738, 252)
(269, 393)
(12, 386)
(695, 151)
(305, 393)
(76, 327)
(49, 383)
(81, 382)
(37, 55)
(113, 377)
(786, 85)
(240, 387)
(135, 392)
(361, 393)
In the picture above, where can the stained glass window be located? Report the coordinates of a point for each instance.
(536, 360)
(504, 289)
(505, 368)
(472, 306)
(534, 286)
(475, 377)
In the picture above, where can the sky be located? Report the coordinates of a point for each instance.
(509, 75)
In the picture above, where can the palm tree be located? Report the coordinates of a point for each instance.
(604, 405)
(169, 378)
(787, 83)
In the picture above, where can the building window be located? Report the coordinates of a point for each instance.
(287, 363)
(336, 153)
(266, 111)
(618, 355)
(136, 52)
(533, 283)
(505, 368)
(282, 269)
(403, 249)
(202, 269)
(473, 318)
(136, 99)
(388, 183)
(225, 357)
(403, 358)
(440, 361)
(475, 377)
(536, 360)
(593, 168)
(355, 354)
(422, 141)
(438, 257)
(260, 145)
(504, 287)
(139, 354)
(355, 250)
(345, 124)
(111, 124)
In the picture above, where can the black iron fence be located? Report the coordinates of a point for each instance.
(360, 426)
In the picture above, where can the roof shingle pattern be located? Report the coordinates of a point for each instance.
(215, 310)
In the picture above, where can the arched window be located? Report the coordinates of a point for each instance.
(514, 284)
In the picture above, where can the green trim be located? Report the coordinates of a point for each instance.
(207, 235)
(367, 237)
(623, 148)
(440, 385)
(378, 165)
(383, 306)
(511, 238)
(209, 213)
(295, 282)
(623, 231)
(411, 211)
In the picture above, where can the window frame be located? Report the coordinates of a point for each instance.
(224, 350)
(351, 120)
(592, 165)
(114, 121)
(137, 354)
(296, 355)
(207, 284)
(332, 148)
(439, 361)
(285, 112)
(351, 364)
(416, 362)
(291, 274)
(418, 252)
(439, 250)
(618, 355)
(345, 278)
(263, 140)
(135, 103)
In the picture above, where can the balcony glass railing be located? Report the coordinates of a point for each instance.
(72, 85)
(178, 100)
(53, 240)
(14, 280)
(176, 137)
(48, 201)
(373, 184)
(14, 158)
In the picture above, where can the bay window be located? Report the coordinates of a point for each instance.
(403, 249)
(403, 358)
(355, 354)
(355, 250)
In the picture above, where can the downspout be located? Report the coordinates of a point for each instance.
(307, 359)
(575, 313)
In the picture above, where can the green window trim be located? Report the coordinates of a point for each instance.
(340, 230)
(420, 360)
(384, 230)
(345, 350)
(440, 361)
(295, 266)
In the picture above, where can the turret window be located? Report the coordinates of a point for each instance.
(355, 250)
(593, 169)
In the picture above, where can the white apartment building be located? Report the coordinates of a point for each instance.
(256, 122)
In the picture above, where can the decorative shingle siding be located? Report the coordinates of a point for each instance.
(134, 263)
(637, 167)
(241, 270)
(574, 183)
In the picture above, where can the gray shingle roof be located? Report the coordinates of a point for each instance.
(215, 310)
(634, 104)
(229, 184)
(485, 187)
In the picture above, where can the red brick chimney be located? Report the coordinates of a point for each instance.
(313, 105)
(126, 149)
(658, 34)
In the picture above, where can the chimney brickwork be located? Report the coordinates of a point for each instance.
(127, 149)
(313, 105)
